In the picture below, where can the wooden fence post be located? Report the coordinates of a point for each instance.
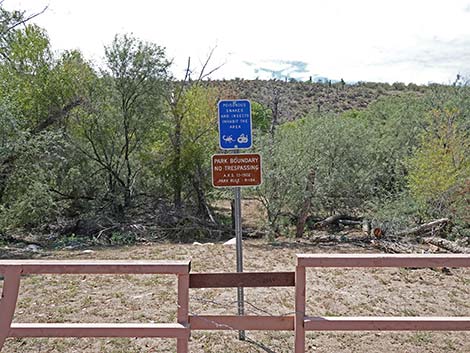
(11, 286)
(183, 311)
(299, 309)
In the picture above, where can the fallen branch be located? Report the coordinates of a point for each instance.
(395, 247)
(446, 245)
(356, 239)
(385, 245)
(348, 222)
(335, 220)
(432, 228)
(105, 230)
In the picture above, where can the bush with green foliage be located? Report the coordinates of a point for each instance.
(440, 167)
(370, 162)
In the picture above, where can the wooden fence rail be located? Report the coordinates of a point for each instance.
(299, 323)
(246, 322)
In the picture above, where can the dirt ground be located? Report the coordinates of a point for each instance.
(145, 298)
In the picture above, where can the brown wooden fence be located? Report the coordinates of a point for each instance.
(13, 269)
(299, 323)
(303, 322)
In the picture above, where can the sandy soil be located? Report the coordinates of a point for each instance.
(126, 298)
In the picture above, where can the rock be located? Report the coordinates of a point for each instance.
(33, 248)
(232, 241)
(88, 251)
(198, 243)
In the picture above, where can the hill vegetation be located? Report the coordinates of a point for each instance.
(122, 151)
(297, 99)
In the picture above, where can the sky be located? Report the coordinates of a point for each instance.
(363, 40)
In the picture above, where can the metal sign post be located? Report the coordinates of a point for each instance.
(234, 133)
(238, 234)
(237, 170)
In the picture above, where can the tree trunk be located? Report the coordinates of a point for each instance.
(306, 205)
(178, 180)
(6, 170)
(128, 181)
(203, 207)
(272, 218)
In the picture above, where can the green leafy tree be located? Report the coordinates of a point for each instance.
(125, 106)
(261, 117)
(285, 164)
(9, 23)
(179, 110)
(441, 163)
(347, 163)
(316, 163)
(37, 93)
(188, 146)
(392, 128)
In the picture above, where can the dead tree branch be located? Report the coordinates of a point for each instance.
(447, 245)
(432, 228)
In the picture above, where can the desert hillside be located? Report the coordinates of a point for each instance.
(296, 99)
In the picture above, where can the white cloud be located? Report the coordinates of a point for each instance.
(355, 40)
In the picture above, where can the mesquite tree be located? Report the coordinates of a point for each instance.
(125, 106)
